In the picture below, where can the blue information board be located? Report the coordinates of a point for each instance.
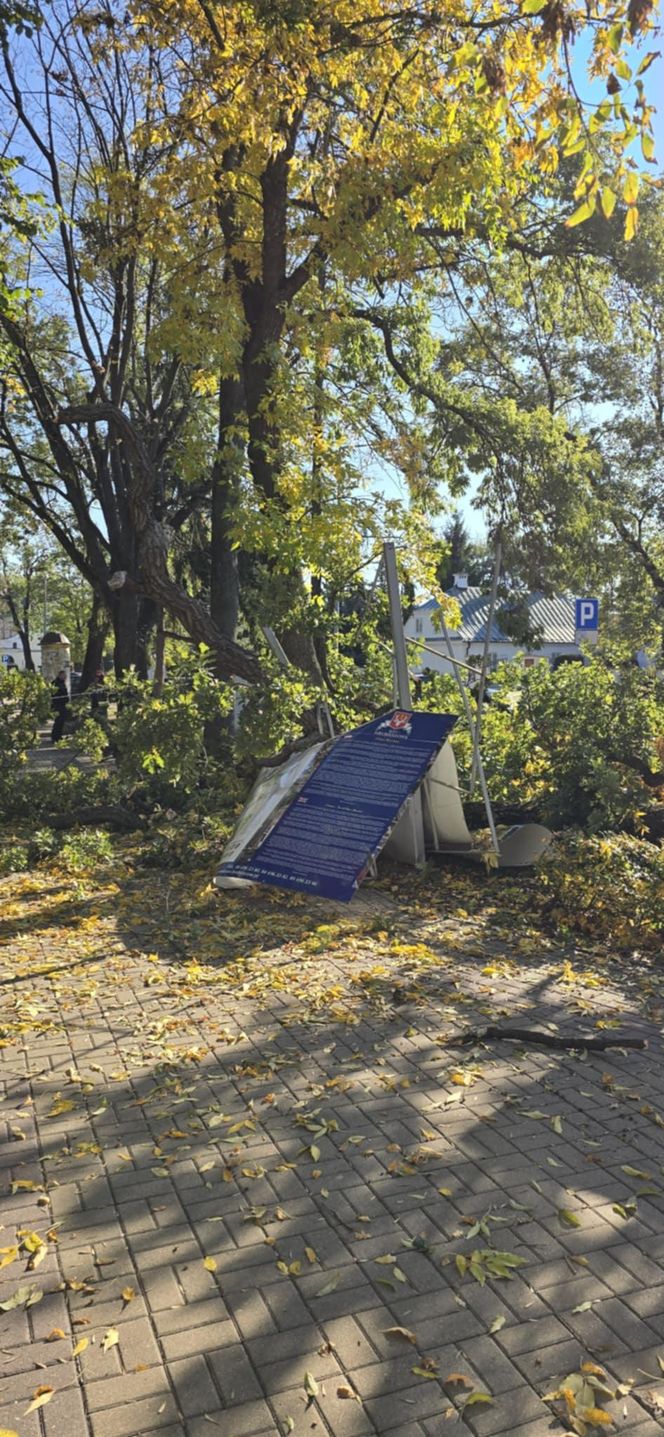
(322, 843)
(587, 615)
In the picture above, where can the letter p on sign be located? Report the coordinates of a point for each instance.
(587, 618)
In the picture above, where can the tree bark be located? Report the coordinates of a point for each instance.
(159, 656)
(98, 624)
(224, 576)
(264, 303)
(124, 614)
(147, 618)
(153, 578)
(22, 629)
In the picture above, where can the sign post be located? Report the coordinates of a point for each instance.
(586, 620)
(407, 842)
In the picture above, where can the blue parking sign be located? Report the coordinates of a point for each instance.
(587, 615)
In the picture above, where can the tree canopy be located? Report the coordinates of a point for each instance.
(233, 307)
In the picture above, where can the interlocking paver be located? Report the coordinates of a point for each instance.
(226, 1352)
(252, 1419)
(190, 1340)
(194, 1387)
(135, 1417)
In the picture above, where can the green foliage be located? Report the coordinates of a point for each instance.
(43, 844)
(25, 703)
(271, 712)
(14, 858)
(38, 796)
(578, 742)
(607, 889)
(85, 851)
(91, 738)
(160, 742)
(191, 840)
(360, 680)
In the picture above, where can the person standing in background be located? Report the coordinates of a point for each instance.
(99, 699)
(59, 703)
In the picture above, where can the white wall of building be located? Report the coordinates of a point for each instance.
(435, 657)
(12, 646)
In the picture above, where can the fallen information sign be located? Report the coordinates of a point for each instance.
(323, 842)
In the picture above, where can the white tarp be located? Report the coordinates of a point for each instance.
(273, 790)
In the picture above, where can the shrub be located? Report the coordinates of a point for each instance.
(608, 889)
(38, 796)
(578, 743)
(160, 743)
(25, 703)
(85, 851)
(14, 857)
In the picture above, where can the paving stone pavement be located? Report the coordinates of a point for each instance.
(155, 1117)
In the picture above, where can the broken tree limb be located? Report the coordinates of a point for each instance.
(496, 1034)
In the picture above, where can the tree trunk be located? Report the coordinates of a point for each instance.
(153, 578)
(224, 577)
(24, 635)
(148, 614)
(22, 629)
(299, 646)
(94, 650)
(159, 656)
(125, 632)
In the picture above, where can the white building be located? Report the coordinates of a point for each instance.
(553, 617)
(11, 647)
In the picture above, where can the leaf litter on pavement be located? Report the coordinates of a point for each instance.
(189, 987)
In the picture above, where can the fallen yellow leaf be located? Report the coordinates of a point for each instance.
(403, 1332)
(210, 1263)
(348, 1392)
(41, 1397)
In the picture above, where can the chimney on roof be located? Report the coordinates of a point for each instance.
(460, 581)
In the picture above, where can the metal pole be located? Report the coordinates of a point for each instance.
(275, 646)
(427, 649)
(402, 675)
(480, 766)
(323, 715)
(485, 660)
(408, 836)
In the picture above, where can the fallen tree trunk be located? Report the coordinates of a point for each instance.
(509, 813)
(512, 813)
(654, 821)
(103, 815)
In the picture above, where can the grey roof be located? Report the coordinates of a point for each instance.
(53, 637)
(555, 616)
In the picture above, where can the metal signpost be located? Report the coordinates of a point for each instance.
(586, 614)
(408, 843)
